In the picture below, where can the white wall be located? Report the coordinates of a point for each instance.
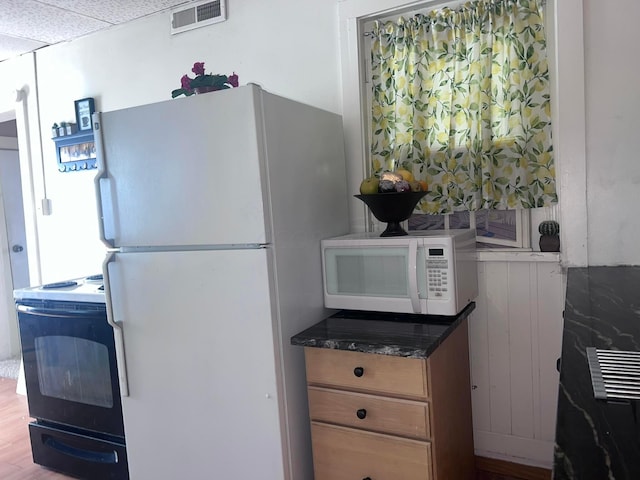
(613, 103)
(268, 43)
(301, 61)
(19, 101)
(566, 39)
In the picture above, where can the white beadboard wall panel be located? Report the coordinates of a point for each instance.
(499, 387)
(520, 346)
(514, 340)
(479, 348)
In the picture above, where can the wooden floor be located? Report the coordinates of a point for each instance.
(490, 469)
(16, 462)
(15, 450)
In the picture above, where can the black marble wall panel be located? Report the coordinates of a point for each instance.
(597, 439)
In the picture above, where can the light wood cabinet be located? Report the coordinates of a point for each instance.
(381, 417)
(405, 418)
(341, 453)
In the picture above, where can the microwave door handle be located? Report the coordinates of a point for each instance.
(413, 275)
(117, 328)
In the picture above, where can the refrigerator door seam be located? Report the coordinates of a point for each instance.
(192, 248)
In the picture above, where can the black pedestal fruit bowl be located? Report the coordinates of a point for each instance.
(392, 208)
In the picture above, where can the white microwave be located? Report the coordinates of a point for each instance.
(428, 272)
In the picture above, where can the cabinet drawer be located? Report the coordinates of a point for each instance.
(341, 453)
(368, 372)
(369, 412)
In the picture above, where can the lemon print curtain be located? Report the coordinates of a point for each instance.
(461, 99)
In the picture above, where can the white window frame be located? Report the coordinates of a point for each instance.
(522, 225)
(353, 16)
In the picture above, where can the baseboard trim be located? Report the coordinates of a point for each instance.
(513, 448)
(517, 470)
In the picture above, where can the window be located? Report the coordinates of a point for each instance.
(505, 227)
(493, 227)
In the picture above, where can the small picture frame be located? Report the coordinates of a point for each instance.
(84, 109)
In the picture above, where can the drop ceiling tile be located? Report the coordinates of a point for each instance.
(47, 22)
(37, 21)
(115, 11)
(12, 46)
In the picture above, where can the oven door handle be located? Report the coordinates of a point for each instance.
(80, 453)
(57, 312)
(118, 335)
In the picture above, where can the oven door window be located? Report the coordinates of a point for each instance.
(70, 365)
(75, 369)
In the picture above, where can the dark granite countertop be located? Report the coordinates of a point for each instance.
(597, 439)
(401, 335)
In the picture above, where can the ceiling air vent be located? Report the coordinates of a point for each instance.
(197, 14)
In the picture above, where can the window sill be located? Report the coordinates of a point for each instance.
(519, 255)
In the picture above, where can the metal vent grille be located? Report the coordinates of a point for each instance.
(615, 374)
(209, 10)
(198, 14)
(184, 18)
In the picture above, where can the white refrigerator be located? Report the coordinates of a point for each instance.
(212, 208)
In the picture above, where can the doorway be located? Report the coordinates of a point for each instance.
(14, 267)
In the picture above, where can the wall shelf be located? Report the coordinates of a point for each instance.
(76, 152)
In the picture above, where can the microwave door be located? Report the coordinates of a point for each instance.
(375, 274)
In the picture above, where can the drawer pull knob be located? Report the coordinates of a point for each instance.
(358, 371)
(366, 478)
(361, 414)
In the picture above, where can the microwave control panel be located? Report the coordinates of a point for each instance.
(438, 274)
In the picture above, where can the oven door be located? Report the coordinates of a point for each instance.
(70, 365)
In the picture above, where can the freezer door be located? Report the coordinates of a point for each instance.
(183, 172)
(199, 343)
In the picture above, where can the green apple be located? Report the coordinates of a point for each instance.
(369, 185)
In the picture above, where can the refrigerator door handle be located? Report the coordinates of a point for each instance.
(101, 177)
(117, 328)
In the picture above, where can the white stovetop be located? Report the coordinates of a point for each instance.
(83, 289)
